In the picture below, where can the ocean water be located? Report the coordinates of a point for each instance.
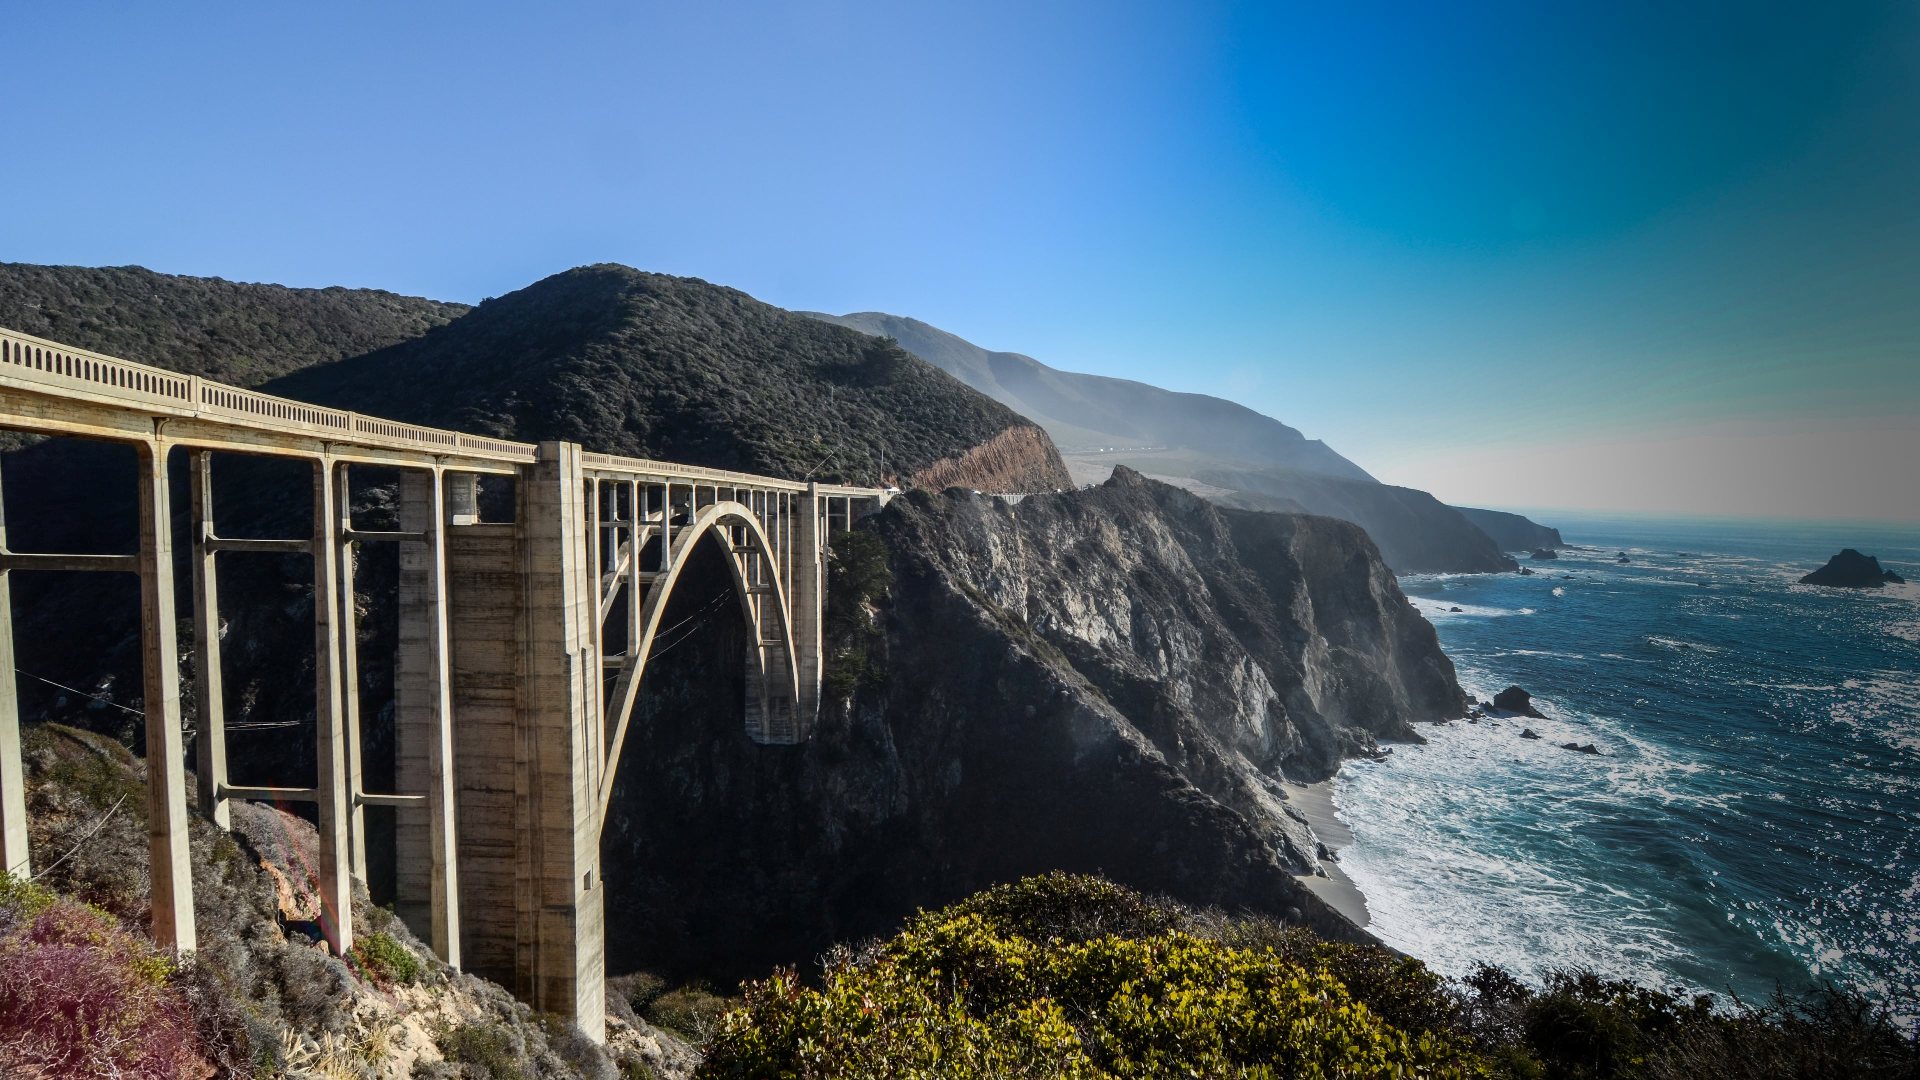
(1754, 816)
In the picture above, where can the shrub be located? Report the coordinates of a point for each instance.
(1012, 984)
(382, 956)
(79, 996)
(494, 1051)
(692, 1012)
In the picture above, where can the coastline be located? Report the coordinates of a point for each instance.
(1315, 803)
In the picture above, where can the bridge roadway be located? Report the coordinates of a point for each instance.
(522, 648)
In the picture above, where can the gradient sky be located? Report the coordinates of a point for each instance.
(1658, 257)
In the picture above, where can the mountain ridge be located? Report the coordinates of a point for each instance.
(1214, 447)
(1105, 411)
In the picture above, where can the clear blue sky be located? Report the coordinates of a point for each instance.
(1649, 256)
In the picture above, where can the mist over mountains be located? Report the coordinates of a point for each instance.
(1218, 449)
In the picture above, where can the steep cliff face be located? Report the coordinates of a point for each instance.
(1018, 459)
(1111, 680)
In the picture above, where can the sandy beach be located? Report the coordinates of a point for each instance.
(1315, 801)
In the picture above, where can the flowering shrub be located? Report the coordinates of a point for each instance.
(81, 997)
(957, 995)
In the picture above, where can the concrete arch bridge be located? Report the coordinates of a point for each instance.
(522, 649)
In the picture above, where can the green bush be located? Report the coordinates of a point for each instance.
(382, 956)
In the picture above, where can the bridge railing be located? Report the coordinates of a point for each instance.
(63, 370)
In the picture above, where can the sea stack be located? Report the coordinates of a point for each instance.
(1515, 700)
(1852, 570)
(1545, 553)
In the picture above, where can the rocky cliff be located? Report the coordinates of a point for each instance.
(1112, 679)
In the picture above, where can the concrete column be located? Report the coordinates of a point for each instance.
(329, 719)
(349, 644)
(210, 742)
(807, 593)
(562, 916)
(160, 663)
(483, 598)
(13, 788)
(427, 892)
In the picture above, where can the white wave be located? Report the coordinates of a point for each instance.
(1441, 608)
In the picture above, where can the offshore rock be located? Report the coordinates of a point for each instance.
(1515, 700)
(1852, 570)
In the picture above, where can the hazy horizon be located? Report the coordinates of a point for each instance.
(1636, 258)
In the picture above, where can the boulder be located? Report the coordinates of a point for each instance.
(1515, 700)
(1524, 572)
(1584, 748)
(1622, 557)
(1852, 570)
(1544, 553)
(1529, 733)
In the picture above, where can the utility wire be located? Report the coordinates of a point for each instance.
(100, 698)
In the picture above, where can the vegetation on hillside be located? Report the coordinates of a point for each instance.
(1072, 976)
(84, 993)
(237, 333)
(649, 365)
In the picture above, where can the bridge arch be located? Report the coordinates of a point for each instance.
(754, 569)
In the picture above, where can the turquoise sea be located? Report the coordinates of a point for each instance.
(1754, 817)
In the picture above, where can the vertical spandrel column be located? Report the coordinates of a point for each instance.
(166, 748)
(349, 645)
(329, 715)
(13, 792)
(807, 594)
(210, 740)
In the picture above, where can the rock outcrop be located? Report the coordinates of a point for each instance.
(1513, 532)
(1517, 701)
(1852, 570)
(1111, 679)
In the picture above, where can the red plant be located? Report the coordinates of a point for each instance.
(79, 996)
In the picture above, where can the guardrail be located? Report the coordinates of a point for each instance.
(50, 367)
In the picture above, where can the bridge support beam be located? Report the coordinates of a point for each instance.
(210, 737)
(333, 784)
(172, 877)
(13, 790)
(807, 594)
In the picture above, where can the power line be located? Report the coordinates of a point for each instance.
(100, 698)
